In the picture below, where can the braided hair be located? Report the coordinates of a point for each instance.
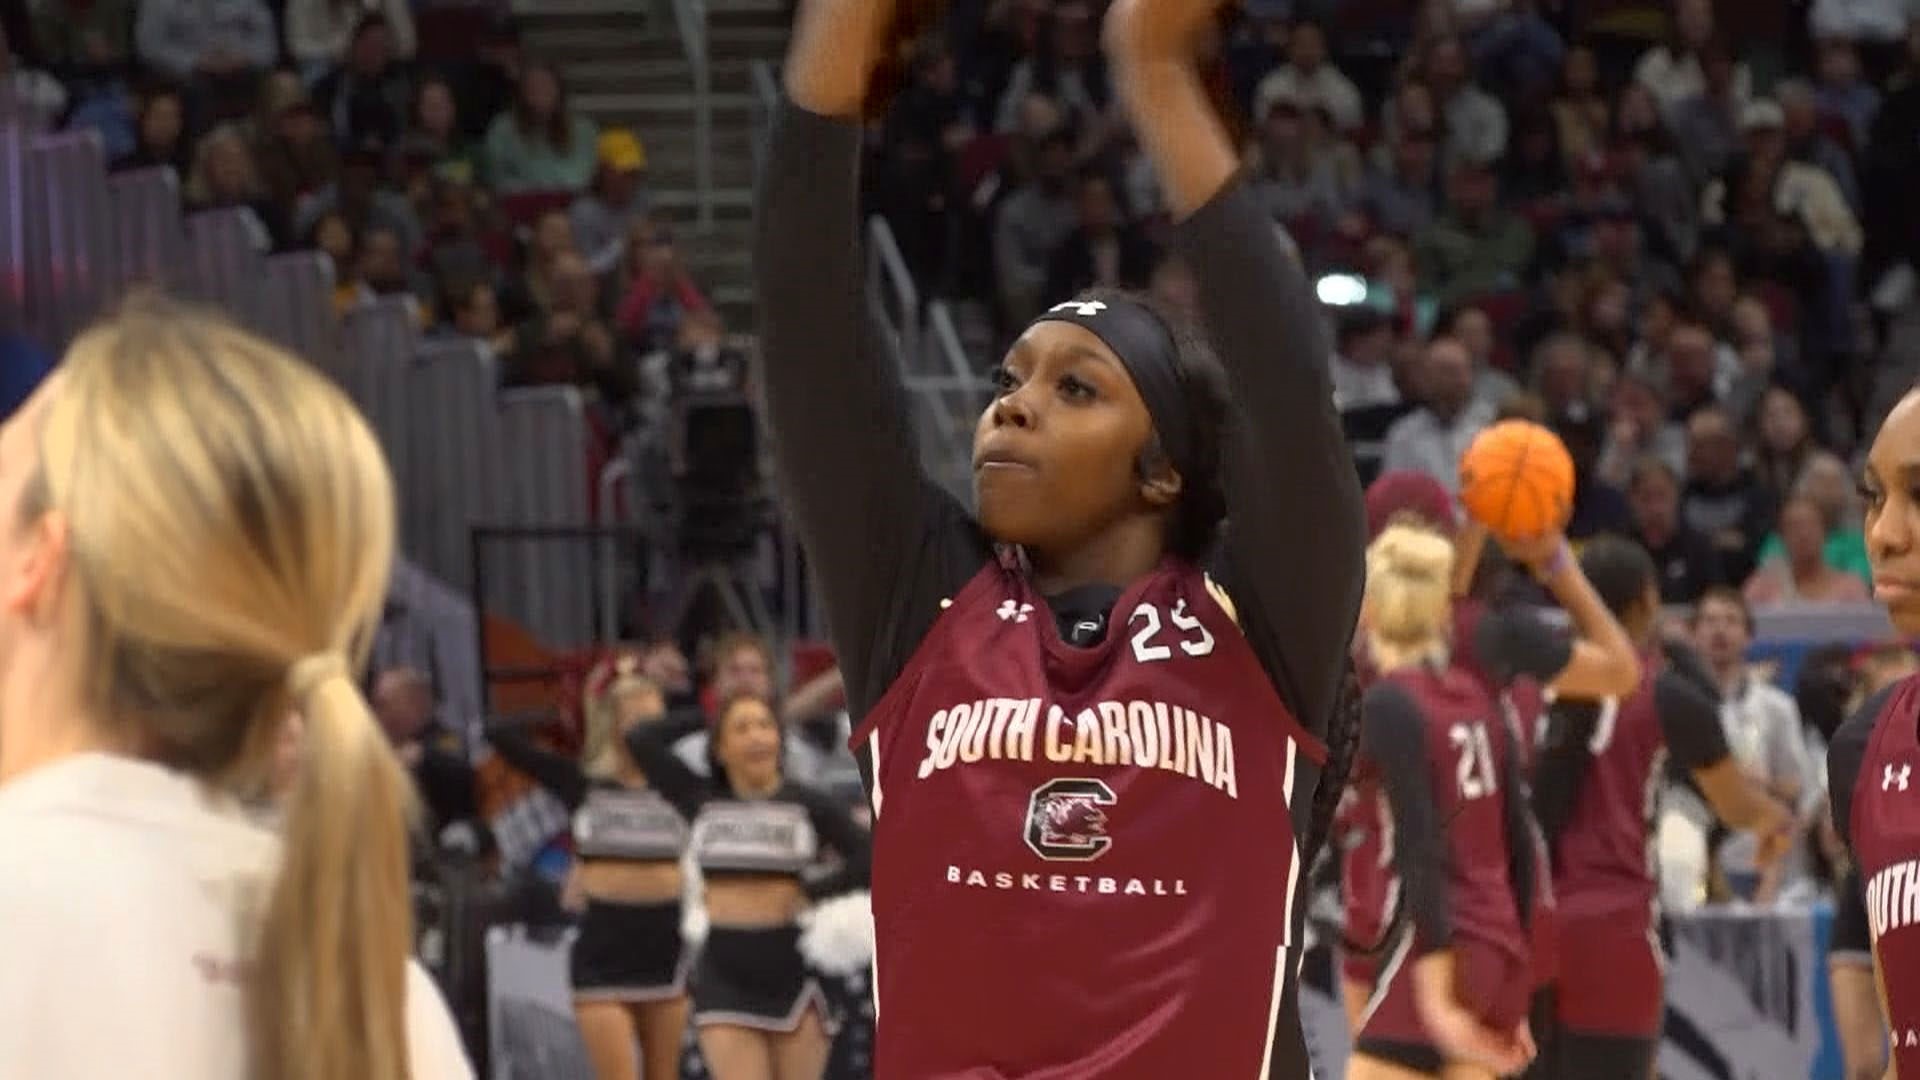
(1343, 746)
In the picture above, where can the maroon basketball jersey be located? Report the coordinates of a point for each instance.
(1885, 831)
(1468, 749)
(1605, 865)
(1084, 860)
(1520, 703)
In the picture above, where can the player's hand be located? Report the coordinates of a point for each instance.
(1147, 30)
(1535, 553)
(1457, 1032)
(1461, 1037)
(845, 55)
(836, 46)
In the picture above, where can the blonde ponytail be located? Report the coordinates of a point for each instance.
(330, 1002)
(1409, 574)
(231, 525)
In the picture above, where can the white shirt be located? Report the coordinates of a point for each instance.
(1422, 442)
(127, 894)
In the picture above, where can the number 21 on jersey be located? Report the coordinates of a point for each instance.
(1474, 767)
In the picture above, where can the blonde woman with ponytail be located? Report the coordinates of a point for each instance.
(195, 536)
(1454, 984)
(629, 963)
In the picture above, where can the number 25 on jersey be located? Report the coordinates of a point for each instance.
(1150, 645)
(1474, 768)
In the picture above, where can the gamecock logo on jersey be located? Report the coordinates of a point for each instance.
(1067, 820)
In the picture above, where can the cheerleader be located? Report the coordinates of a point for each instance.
(757, 840)
(628, 965)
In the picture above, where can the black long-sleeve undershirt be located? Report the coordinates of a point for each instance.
(1393, 733)
(1844, 755)
(1687, 708)
(1852, 936)
(652, 747)
(558, 774)
(1851, 933)
(887, 545)
(1297, 588)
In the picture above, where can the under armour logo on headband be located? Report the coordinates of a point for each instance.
(1086, 309)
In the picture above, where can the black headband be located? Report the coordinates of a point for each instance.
(1145, 347)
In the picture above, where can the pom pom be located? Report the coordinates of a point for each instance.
(693, 907)
(836, 936)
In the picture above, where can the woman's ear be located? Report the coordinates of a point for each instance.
(1161, 490)
(1160, 483)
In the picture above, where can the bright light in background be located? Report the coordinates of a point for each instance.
(1341, 290)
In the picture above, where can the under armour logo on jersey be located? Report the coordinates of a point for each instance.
(1892, 779)
(1086, 309)
(1009, 610)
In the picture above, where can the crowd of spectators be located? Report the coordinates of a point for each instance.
(1684, 245)
(446, 167)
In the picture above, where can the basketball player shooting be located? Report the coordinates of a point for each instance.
(1089, 775)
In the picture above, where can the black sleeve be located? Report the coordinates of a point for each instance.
(558, 774)
(446, 786)
(652, 748)
(1560, 762)
(848, 840)
(1519, 820)
(1515, 642)
(1683, 661)
(1285, 461)
(1394, 734)
(1851, 933)
(885, 544)
(1689, 720)
(1844, 755)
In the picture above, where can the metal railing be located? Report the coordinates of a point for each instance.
(690, 17)
(952, 390)
(953, 353)
(890, 288)
(940, 380)
(766, 98)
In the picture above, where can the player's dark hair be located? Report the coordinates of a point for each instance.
(1343, 745)
(1203, 387)
(1620, 571)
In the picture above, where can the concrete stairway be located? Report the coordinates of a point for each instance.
(625, 66)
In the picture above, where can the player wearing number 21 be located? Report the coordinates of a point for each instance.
(1452, 991)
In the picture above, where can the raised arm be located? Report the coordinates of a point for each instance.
(559, 774)
(1602, 661)
(651, 745)
(1286, 463)
(879, 536)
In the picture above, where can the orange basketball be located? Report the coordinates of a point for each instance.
(1517, 480)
